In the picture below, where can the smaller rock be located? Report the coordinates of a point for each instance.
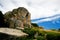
(13, 32)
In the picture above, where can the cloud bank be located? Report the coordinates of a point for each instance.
(37, 8)
(47, 19)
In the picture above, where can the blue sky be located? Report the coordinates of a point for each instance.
(52, 22)
(37, 8)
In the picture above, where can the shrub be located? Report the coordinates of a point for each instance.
(34, 24)
(29, 31)
(53, 36)
(40, 38)
(34, 33)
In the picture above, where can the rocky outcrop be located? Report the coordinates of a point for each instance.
(18, 18)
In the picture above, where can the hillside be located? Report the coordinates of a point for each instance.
(41, 34)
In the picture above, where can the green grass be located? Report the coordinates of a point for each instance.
(42, 34)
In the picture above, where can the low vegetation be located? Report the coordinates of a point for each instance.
(41, 34)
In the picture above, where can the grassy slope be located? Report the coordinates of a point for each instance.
(37, 28)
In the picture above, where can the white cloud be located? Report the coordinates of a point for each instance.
(37, 8)
(47, 19)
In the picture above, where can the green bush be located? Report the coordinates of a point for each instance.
(53, 36)
(40, 38)
(30, 32)
(34, 33)
(34, 24)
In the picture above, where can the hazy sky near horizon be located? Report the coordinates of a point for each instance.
(37, 8)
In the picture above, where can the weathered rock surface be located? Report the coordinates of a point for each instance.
(11, 34)
(19, 17)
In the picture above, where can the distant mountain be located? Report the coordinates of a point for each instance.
(52, 22)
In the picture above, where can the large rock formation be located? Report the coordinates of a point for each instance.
(18, 18)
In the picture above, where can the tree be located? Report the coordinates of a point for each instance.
(34, 24)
